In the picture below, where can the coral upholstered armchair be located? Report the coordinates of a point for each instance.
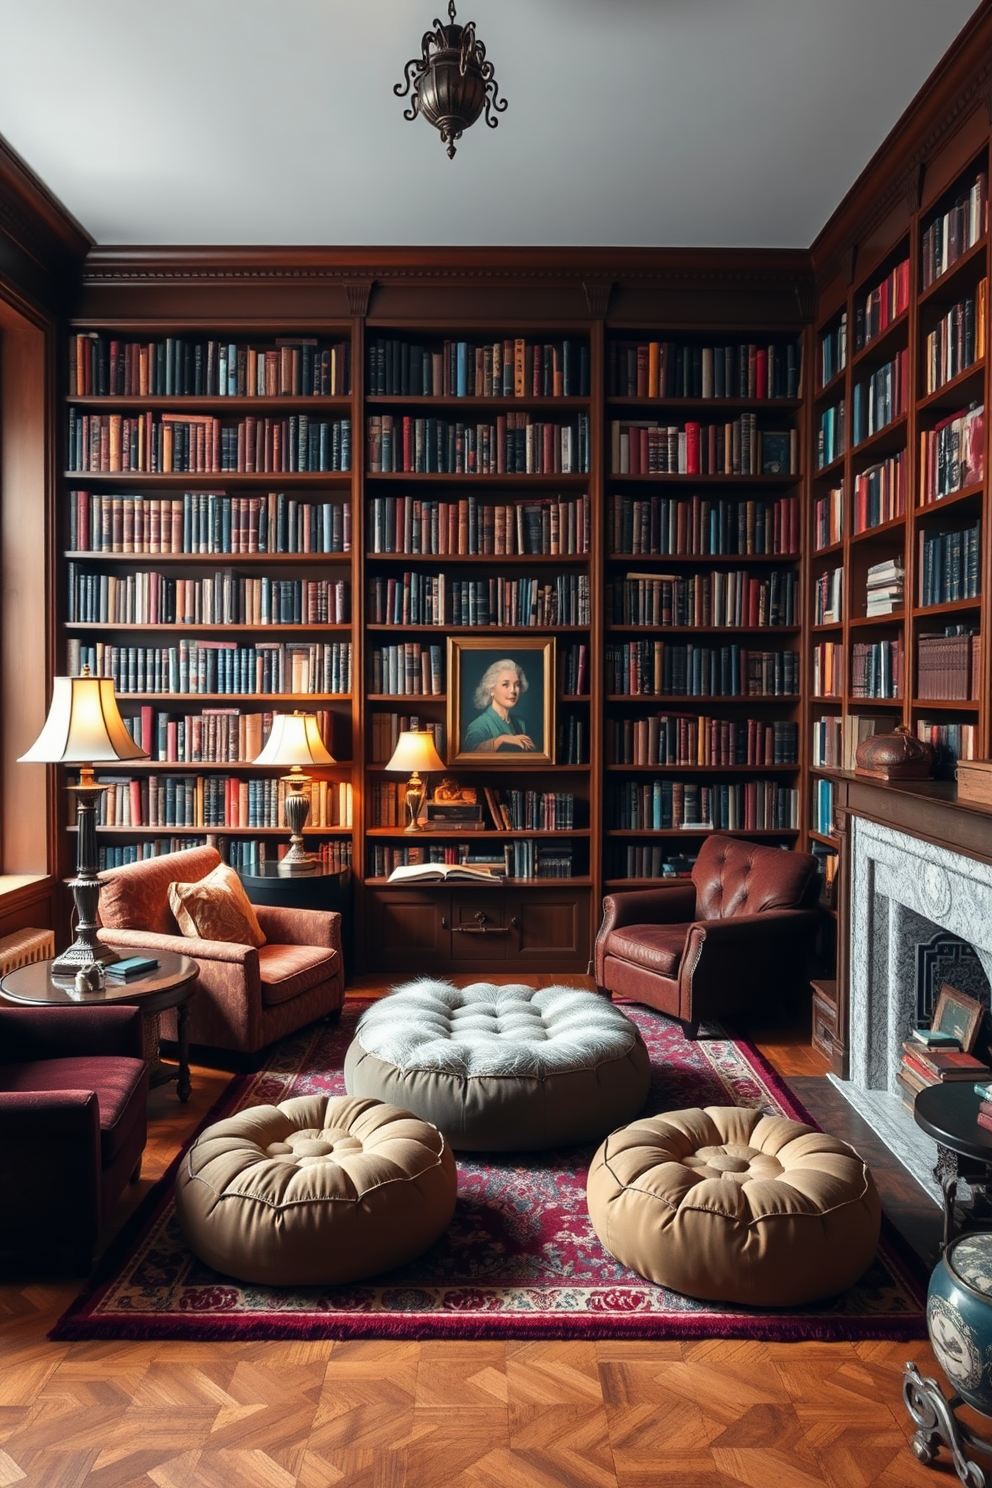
(737, 936)
(246, 996)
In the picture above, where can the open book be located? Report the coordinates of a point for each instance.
(435, 872)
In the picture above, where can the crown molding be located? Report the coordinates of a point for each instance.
(34, 219)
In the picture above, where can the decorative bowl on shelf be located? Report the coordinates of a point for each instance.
(896, 756)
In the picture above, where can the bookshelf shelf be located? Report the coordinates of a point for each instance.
(951, 607)
(208, 560)
(880, 530)
(880, 348)
(211, 480)
(451, 403)
(884, 441)
(872, 622)
(323, 627)
(947, 286)
(757, 405)
(702, 831)
(775, 482)
(282, 403)
(955, 390)
(705, 769)
(968, 497)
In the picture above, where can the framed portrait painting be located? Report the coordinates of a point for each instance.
(501, 700)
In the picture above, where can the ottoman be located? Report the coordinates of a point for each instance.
(732, 1205)
(320, 1189)
(502, 1068)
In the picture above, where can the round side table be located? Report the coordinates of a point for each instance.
(170, 985)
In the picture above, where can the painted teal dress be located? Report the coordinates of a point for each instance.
(489, 725)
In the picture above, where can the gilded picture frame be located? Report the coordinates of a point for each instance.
(959, 1015)
(516, 727)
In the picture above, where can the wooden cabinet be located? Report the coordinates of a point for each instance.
(426, 930)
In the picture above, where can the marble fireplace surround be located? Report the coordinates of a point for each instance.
(901, 886)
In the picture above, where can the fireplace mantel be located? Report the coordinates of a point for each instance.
(927, 810)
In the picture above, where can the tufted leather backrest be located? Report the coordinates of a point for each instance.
(136, 897)
(734, 877)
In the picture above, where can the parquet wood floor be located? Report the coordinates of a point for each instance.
(714, 1413)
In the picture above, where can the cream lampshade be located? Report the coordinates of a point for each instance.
(84, 727)
(415, 752)
(295, 741)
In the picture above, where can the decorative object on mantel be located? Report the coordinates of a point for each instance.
(896, 756)
(84, 727)
(974, 779)
(451, 82)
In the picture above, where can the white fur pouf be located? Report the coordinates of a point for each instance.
(501, 1068)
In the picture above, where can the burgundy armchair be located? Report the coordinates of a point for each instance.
(73, 1098)
(737, 936)
(245, 997)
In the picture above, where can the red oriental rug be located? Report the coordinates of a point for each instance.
(520, 1259)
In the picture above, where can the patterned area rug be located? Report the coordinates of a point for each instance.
(520, 1258)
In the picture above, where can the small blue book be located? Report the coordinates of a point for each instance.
(132, 966)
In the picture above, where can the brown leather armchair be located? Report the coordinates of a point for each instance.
(737, 935)
(245, 997)
(73, 1099)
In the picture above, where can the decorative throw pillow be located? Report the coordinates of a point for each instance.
(216, 908)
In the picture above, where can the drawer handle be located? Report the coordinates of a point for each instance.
(480, 929)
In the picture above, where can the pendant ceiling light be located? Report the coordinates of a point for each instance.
(451, 82)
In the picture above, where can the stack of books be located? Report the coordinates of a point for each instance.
(931, 1058)
(885, 587)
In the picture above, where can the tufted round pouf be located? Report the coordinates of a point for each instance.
(320, 1189)
(732, 1205)
(506, 1069)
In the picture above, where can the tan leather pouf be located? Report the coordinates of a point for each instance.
(320, 1189)
(731, 1205)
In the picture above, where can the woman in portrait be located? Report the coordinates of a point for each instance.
(496, 696)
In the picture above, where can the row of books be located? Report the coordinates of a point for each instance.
(438, 599)
(407, 669)
(101, 365)
(697, 739)
(668, 805)
(954, 231)
(721, 599)
(952, 454)
(881, 399)
(573, 739)
(831, 436)
(210, 667)
(822, 808)
(214, 735)
(828, 518)
(216, 599)
(950, 565)
(835, 740)
(515, 444)
(204, 801)
(930, 1058)
(880, 492)
(738, 447)
(178, 443)
(649, 860)
(245, 855)
(948, 666)
(950, 742)
(833, 350)
(517, 810)
(664, 669)
(827, 864)
(669, 369)
(510, 368)
(387, 727)
(879, 307)
(574, 676)
(957, 340)
(700, 525)
(470, 526)
(828, 669)
(206, 522)
(877, 669)
(885, 587)
(828, 597)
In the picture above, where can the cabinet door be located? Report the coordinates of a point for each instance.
(479, 929)
(404, 930)
(549, 929)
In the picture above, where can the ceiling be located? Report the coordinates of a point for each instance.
(630, 122)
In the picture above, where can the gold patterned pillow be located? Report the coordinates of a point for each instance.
(216, 908)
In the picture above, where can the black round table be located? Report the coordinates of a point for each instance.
(170, 985)
(949, 1113)
(326, 888)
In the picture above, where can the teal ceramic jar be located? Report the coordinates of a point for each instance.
(959, 1317)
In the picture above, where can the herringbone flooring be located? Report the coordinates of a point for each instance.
(371, 1414)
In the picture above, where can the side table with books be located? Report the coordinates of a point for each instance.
(949, 1112)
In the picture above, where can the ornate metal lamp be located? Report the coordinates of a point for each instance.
(295, 741)
(451, 82)
(84, 727)
(415, 752)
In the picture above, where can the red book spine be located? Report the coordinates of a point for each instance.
(692, 448)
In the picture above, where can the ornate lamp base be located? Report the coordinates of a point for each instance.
(935, 1422)
(297, 862)
(85, 886)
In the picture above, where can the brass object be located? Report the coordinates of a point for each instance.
(896, 756)
(451, 82)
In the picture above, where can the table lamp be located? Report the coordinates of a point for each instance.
(84, 727)
(295, 741)
(415, 752)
